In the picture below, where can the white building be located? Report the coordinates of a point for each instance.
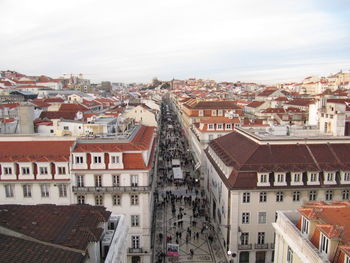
(250, 176)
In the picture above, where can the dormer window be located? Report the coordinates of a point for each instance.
(313, 178)
(79, 159)
(263, 179)
(200, 113)
(220, 126)
(345, 177)
(43, 170)
(324, 242)
(280, 179)
(115, 159)
(97, 159)
(213, 113)
(25, 170)
(7, 171)
(228, 126)
(220, 112)
(304, 226)
(329, 178)
(210, 126)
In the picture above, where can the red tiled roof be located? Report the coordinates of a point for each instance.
(301, 102)
(195, 104)
(255, 104)
(73, 107)
(220, 120)
(35, 150)
(9, 105)
(274, 110)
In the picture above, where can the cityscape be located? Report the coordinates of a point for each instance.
(179, 131)
(174, 171)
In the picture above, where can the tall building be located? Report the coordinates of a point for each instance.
(113, 172)
(317, 232)
(252, 175)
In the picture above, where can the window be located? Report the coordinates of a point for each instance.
(43, 170)
(116, 200)
(263, 197)
(280, 178)
(134, 199)
(329, 195)
(134, 180)
(263, 178)
(98, 199)
(62, 190)
(261, 238)
(81, 199)
(324, 244)
(80, 180)
(9, 190)
(213, 113)
(262, 218)
(220, 126)
(345, 194)
(330, 176)
(297, 178)
(135, 241)
(135, 220)
(289, 255)
(229, 126)
(347, 176)
(312, 195)
(25, 170)
(61, 170)
(244, 238)
(66, 128)
(347, 259)
(97, 159)
(304, 226)
(200, 113)
(7, 170)
(210, 126)
(296, 196)
(220, 112)
(27, 190)
(116, 180)
(279, 197)
(313, 177)
(98, 180)
(79, 159)
(245, 218)
(44, 190)
(246, 197)
(115, 159)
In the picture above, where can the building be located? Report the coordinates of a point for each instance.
(50, 233)
(115, 172)
(249, 176)
(317, 232)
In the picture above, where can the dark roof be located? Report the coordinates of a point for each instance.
(16, 250)
(247, 157)
(255, 104)
(70, 226)
(67, 115)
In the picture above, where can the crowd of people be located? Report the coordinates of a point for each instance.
(186, 201)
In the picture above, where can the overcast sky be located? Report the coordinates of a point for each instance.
(136, 40)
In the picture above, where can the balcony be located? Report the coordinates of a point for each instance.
(135, 250)
(261, 246)
(111, 189)
(245, 247)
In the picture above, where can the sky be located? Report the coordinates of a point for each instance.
(269, 41)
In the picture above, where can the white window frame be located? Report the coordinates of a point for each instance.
(78, 159)
(313, 194)
(210, 126)
(262, 197)
(115, 159)
(329, 194)
(345, 194)
(313, 178)
(220, 112)
(213, 113)
(45, 190)
(27, 190)
(134, 180)
(262, 216)
(263, 179)
(228, 126)
(135, 242)
(245, 217)
(329, 177)
(305, 226)
(244, 238)
(9, 190)
(261, 238)
(99, 200)
(296, 196)
(61, 170)
(296, 175)
(289, 255)
(116, 179)
(219, 126)
(135, 220)
(79, 180)
(7, 170)
(43, 170)
(98, 180)
(280, 179)
(324, 244)
(81, 199)
(246, 197)
(62, 190)
(117, 200)
(279, 196)
(200, 113)
(25, 170)
(134, 199)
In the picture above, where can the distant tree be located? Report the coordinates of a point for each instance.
(165, 85)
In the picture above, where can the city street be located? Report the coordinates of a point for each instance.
(183, 232)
